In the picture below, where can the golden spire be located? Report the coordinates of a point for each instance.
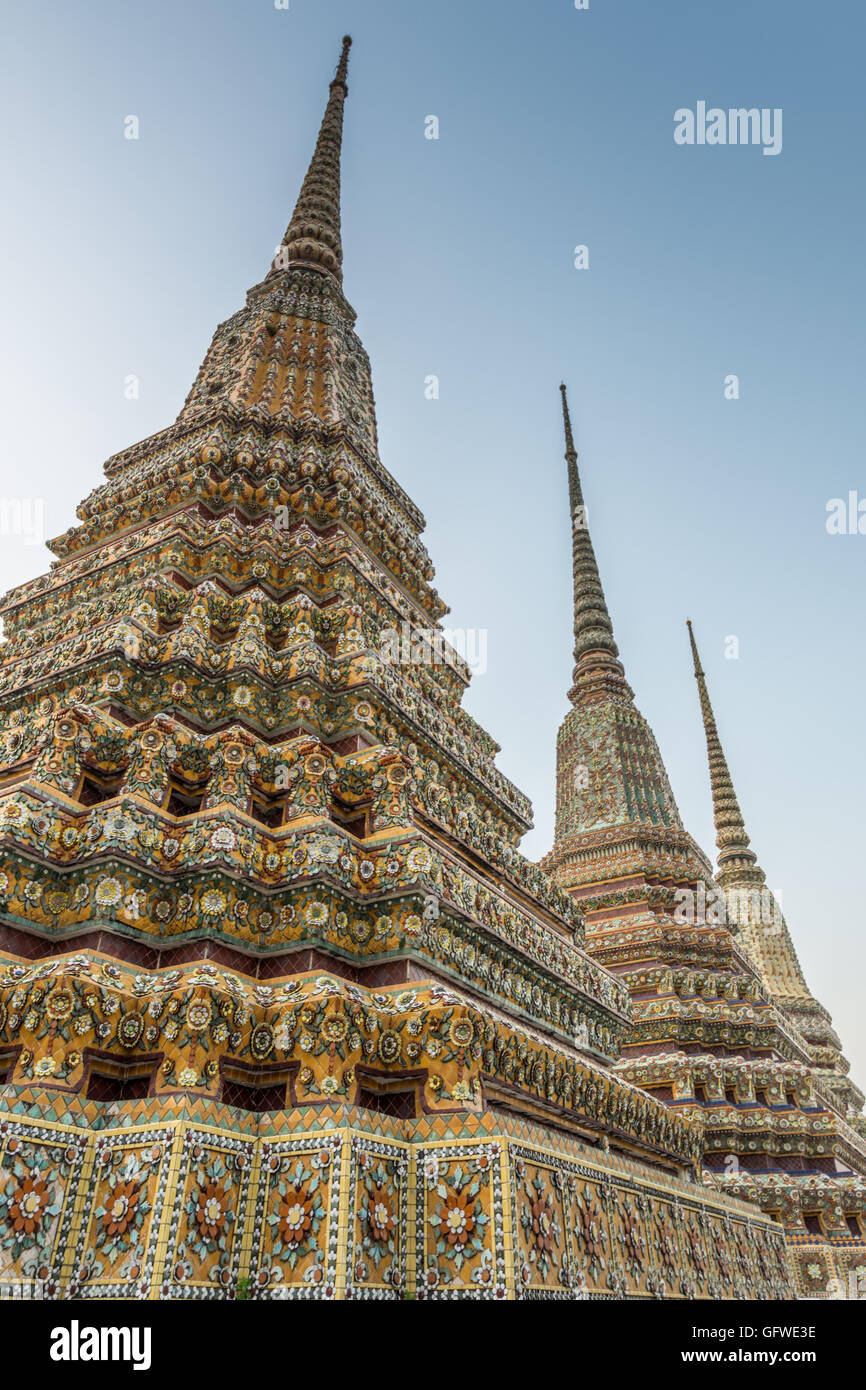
(595, 651)
(312, 237)
(736, 860)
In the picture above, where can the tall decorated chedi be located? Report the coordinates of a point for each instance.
(284, 1012)
(756, 915)
(718, 1034)
(762, 929)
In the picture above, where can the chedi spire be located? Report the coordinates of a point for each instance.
(312, 237)
(736, 859)
(596, 654)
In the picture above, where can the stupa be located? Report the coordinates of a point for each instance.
(716, 1032)
(284, 1011)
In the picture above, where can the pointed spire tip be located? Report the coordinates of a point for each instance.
(595, 651)
(566, 420)
(343, 65)
(735, 857)
(699, 670)
(312, 238)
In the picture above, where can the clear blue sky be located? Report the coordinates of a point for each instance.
(556, 128)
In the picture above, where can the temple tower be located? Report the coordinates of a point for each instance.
(762, 930)
(284, 1011)
(707, 1037)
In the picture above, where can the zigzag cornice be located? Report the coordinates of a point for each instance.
(227, 550)
(663, 1013)
(466, 723)
(200, 1016)
(268, 692)
(843, 1097)
(808, 1005)
(271, 505)
(323, 918)
(616, 948)
(307, 677)
(80, 832)
(224, 424)
(780, 1136)
(691, 980)
(773, 1074)
(634, 943)
(661, 852)
(212, 484)
(673, 1010)
(747, 1132)
(248, 658)
(250, 463)
(830, 1057)
(351, 620)
(674, 1015)
(831, 1196)
(840, 1092)
(632, 958)
(167, 856)
(763, 1031)
(661, 942)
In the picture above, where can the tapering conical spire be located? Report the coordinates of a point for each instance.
(595, 651)
(735, 857)
(313, 236)
(762, 930)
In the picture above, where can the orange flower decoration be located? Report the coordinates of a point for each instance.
(457, 1221)
(120, 1208)
(542, 1224)
(27, 1207)
(592, 1231)
(668, 1246)
(210, 1213)
(633, 1238)
(697, 1247)
(382, 1221)
(294, 1216)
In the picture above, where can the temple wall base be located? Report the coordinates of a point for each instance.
(150, 1200)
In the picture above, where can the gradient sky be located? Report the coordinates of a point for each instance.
(556, 129)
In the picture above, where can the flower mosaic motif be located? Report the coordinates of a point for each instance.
(32, 1183)
(667, 1246)
(123, 1205)
(458, 1216)
(593, 1238)
(377, 1252)
(297, 1210)
(632, 1240)
(210, 1215)
(540, 1221)
(697, 1249)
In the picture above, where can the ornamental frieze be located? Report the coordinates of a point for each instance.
(195, 1021)
(70, 740)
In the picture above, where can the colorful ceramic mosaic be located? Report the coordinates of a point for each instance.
(184, 1210)
(284, 1011)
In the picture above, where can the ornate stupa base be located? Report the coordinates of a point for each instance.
(204, 1201)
